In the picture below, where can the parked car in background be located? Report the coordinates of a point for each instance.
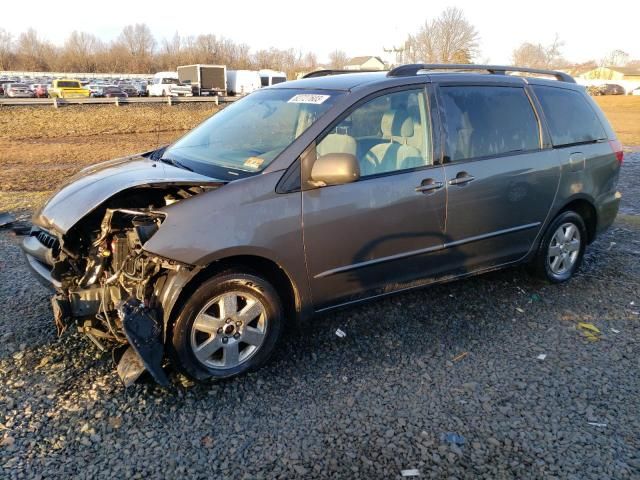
(129, 89)
(141, 87)
(113, 92)
(635, 91)
(67, 88)
(42, 90)
(167, 84)
(18, 90)
(606, 89)
(242, 82)
(271, 77)
(210, 247)
(96, 90)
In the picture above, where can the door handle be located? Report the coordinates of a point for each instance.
(462, 178)
(428, 185)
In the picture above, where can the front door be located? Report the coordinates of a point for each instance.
(380, 233)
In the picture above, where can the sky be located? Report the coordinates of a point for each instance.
(357, 27)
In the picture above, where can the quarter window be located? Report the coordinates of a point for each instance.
(571, 119)
(483, 121)
(386, 134)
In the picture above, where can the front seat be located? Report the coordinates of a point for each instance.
(395, 154)
(336, 143)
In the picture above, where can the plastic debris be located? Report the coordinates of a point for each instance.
(615, 331)
(597, 424)
(542, 356)
(454, 438)
(459, 357)
(340, 333)
(519, 309)
(412, 472)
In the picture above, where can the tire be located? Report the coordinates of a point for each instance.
(566, 236)
(213, 347)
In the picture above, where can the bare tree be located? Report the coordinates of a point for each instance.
(139, 44)
(7, 55)
(34, 53)
(536, 55)
(450, 38)
(80, 53)
(616, 58)
(337, 59)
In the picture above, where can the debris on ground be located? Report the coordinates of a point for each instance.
(590, 331)
(412, 472)
(340, 333)
(454, 438)
(615, 330)
(597, 424)
(519, 309)
(459, 357)
(542, 356)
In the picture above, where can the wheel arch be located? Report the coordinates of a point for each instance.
(266, 268)
(584, 207)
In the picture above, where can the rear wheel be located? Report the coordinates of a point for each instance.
(229, 326)
(561, 249)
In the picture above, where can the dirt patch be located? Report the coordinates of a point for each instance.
(623, 111)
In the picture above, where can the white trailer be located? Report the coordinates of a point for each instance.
(271, 77)
(242, 82)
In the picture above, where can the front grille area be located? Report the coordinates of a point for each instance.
(48, 240)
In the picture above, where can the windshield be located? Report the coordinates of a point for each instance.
(250, 133)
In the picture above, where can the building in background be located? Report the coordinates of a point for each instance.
(365, 63)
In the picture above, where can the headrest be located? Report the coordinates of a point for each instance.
(396, 123)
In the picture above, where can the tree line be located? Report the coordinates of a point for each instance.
(447, 38)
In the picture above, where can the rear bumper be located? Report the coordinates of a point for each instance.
(607, 211)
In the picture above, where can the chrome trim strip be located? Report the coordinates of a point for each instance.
(413, 253)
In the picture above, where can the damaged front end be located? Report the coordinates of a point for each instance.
(104, 280)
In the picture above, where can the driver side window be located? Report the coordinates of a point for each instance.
(389, 133)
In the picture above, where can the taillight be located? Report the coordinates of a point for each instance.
(616, 146)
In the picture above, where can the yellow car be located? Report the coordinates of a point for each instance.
(65, 88)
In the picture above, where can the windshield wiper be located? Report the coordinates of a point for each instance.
(175, 163)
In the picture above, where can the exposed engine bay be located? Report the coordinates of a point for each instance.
(106, 282)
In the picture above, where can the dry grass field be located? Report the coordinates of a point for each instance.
(41, 147)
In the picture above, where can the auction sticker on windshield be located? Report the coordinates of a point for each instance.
(308, 98)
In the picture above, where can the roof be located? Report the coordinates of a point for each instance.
(626, 70)
(345, 81)
(349, 81)
(360, 60)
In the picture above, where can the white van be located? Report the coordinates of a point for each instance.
(166, 84)
(242, 82)
(271, 77)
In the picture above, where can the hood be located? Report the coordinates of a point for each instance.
(96, 184)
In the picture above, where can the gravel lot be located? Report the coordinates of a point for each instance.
(461, 358)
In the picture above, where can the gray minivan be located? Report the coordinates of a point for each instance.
(319, 193)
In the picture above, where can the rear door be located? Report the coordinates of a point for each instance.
(382, 232)
(500, 180)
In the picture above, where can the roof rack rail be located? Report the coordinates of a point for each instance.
(326, 73)
(413, 69)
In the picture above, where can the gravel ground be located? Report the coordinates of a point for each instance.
(465, 358)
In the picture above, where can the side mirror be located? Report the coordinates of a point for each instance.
(334, 169)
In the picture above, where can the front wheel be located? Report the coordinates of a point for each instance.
(229, 326)
(561, 249)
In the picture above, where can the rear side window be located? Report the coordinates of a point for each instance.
(483, 121)
(571, 119)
